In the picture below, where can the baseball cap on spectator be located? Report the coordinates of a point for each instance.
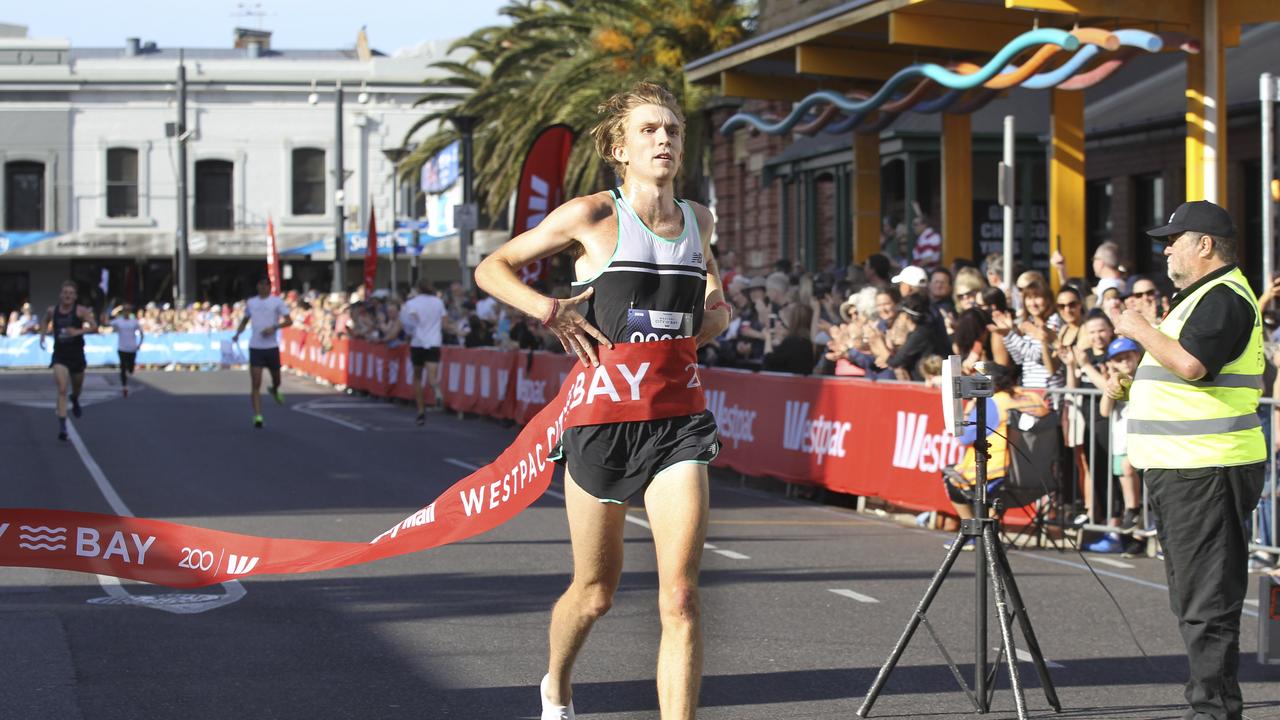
(739, 282)
(1122, 345)
(1199, 216)
(757, 283)
(912, 275)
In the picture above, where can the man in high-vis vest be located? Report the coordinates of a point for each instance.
(1194, 431)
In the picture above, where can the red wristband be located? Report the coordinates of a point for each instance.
(722, 304)
(555, 310)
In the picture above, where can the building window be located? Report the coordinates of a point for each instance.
(214, 207)
(122, 183)
(308, 181)
(1148, 212)
(24, 195)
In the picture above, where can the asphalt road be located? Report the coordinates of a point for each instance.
(802, 602)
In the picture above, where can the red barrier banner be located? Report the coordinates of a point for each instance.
(478, 380)
(852, 436)
(635, 381)
(537, 376)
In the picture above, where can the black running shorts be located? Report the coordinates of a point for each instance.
(268, 358)
(615, 462)
(127, 360)
(72, 360)
(420, 356)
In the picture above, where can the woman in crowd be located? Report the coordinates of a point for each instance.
(788, 346)
(1032, 340)
(923, 338)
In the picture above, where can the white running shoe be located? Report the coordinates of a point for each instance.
(550, 711)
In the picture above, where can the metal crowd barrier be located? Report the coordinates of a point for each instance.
(1263, 525)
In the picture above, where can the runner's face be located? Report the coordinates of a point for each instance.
(653, 146)
(68, 295)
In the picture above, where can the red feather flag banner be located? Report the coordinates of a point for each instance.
(634, 381)
(371, 255)
(541, 188)
(273, 258)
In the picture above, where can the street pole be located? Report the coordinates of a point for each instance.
(339, 180)
(1267, 92)
(465, 124)
(184, 253)
(394, 156)
(1008, 176)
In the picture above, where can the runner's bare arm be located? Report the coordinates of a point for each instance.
(86, 315)
(570, 223)
(244, 322)
(46, 325)
(714, 322)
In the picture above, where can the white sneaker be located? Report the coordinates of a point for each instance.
(550, 711)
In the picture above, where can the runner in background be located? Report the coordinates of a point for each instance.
(266, 313)
(67, 321)
(425, 315)
(129, 338)
(645, 273)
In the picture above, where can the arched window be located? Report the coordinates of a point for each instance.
(24, 195)
(308, 181)
(122, 182)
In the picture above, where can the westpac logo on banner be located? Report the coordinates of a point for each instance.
(732, 422)
(820, 438)
(915, 449)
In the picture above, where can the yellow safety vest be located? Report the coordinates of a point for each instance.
(1175, 423)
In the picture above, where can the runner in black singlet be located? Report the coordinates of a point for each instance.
(645, 272)
(67, 322)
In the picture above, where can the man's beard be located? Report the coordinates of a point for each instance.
(1174, 276)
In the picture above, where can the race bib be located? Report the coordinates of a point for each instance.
(655, 325)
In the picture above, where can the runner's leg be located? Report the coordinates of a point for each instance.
(417, 388)
(124, 377)
(595, 529)
(677, 503)
(62, 377)
(433, 377)
(77, 382)
(255, 382)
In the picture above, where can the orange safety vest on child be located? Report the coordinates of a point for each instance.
(997, 446)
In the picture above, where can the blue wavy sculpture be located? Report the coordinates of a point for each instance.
(936, 73)
(1130, 38)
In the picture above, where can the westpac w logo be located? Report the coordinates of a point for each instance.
(240, 564)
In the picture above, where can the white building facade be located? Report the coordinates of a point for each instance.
(89, 188)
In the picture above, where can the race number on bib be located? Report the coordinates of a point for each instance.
(655, 325)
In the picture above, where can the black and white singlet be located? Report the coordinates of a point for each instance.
(653, 288)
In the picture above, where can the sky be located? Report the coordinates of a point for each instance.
(295, 24)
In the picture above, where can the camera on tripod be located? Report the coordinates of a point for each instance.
(958, 387)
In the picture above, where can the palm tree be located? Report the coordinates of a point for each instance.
(555, 62)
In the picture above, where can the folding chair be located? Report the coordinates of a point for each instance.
(1034, 475)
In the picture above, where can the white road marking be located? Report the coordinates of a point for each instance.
(305, 409)
(1108, 573)
(1112, 563)
(1025, 656)
(187, 603)
(854, 595)
(629, 517)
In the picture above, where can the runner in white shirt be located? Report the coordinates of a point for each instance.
(424, 315)
(267, 313)
(129, 338)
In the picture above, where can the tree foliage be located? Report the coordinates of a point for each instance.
(555, 62)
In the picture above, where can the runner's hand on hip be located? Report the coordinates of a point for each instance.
(578, 336)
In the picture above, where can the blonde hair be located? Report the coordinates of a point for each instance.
(612, 128)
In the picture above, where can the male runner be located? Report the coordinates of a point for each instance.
(426, 315)
(645, 272)
(267, 313)
(68, 322)
(129, 337)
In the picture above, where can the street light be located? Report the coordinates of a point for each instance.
(339, 181)
(394, 156)
(465, 125)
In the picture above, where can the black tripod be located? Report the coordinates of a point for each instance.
(989, 561)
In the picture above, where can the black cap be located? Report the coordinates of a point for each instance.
(1200, 216)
